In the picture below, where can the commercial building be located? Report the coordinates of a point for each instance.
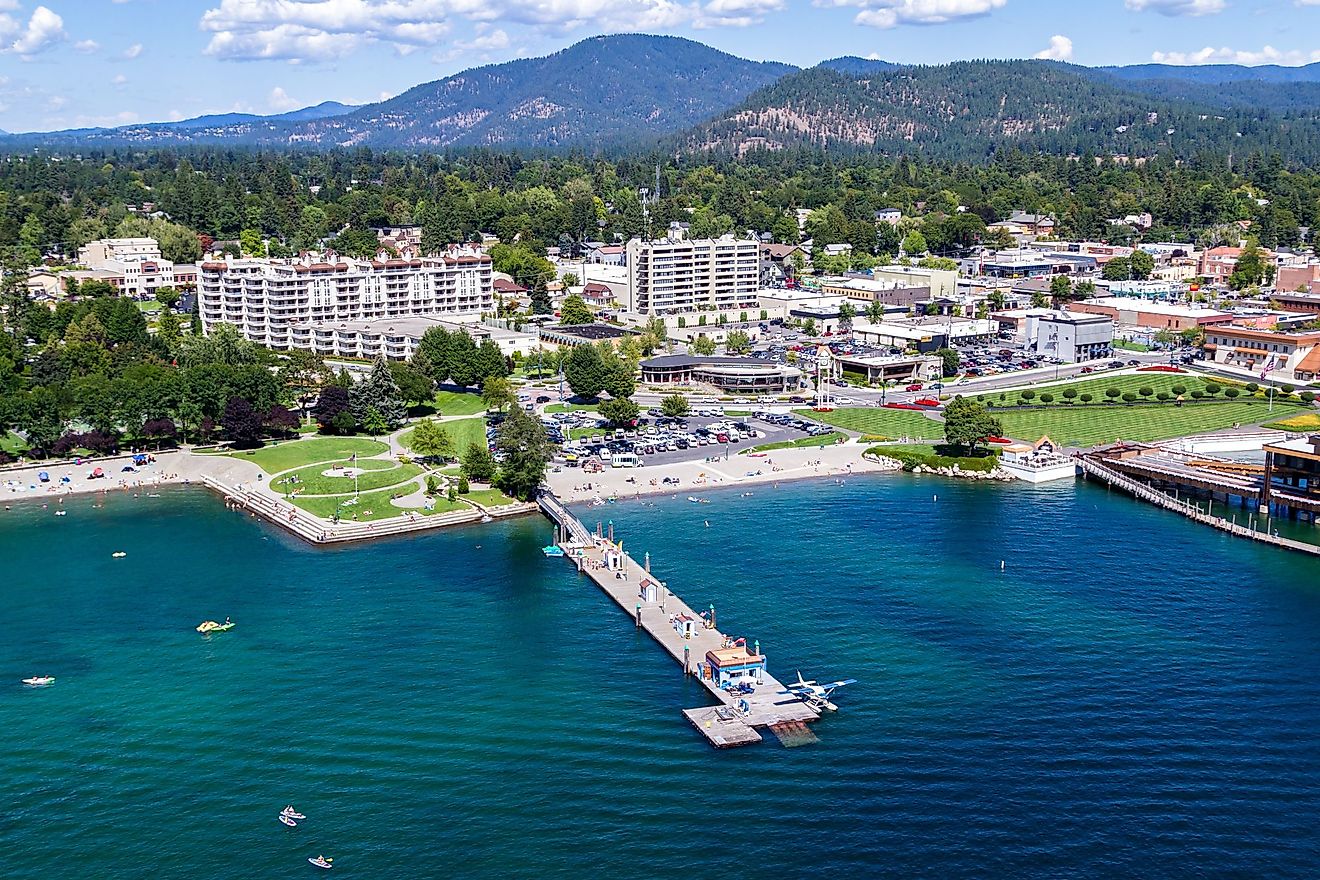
(1286, 355)
(940, 282)
(95, 254)
(735, 375)
(677, 275)
(1069, 337)
(264, 298)
(924, 334)
(887, 291)
(1154, 315)
(1291, 481)
(896, 368)
(396, 338)
(133, 266)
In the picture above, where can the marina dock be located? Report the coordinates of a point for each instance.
(685, 635)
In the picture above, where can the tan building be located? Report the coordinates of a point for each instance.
(1290, 355)
(1134, 312)
(677, 275)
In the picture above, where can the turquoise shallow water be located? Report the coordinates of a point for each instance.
(1133, 695)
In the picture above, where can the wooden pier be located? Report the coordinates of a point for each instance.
(734, 720)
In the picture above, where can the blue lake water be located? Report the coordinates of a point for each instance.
(1133, 695)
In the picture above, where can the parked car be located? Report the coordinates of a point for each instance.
(915, 386)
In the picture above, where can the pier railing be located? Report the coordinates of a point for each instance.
(1138, 489)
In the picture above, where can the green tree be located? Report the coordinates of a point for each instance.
(574, 311)
(1249, 269)
(497, 393)
(1142, 264)
(619, 411)
(414, 386)
(526, 452)
(702, 345)
(168, 297)
(429, 439)
(675, 406)
(374, 423)
(737, 342)
(478, 465)
(570, 279)
(1061, 290)
(952, 361)
(1117, 269)
(875, 311)
(915, 243)
(967, 424)
(585, 372)
(378, 392)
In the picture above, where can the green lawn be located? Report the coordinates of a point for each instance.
(149, 306)
(879, 421)
(1092, 425)
(296, 453)
(1304, 421)
(823, 440)
(1097, 386)
(458, 403)
(12, 443)
(913, 454)
(489, 497)
(371, 506)
(379, 474)
(464, 432)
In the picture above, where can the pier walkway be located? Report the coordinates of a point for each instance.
(1097, 470)
(734, 720)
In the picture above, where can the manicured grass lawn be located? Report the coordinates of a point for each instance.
(570, 407)
(370, 506)
(458, 403)
(1306, 421)
(823, 440)
(296, 453)
(1092, 425)
(464, 432)
(489, 497)
(1096, 387)
(12, 443)
(149, 306)
(379, 474)
(879, 421)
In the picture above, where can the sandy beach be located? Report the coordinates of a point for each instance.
(780, 465)
(169, 468)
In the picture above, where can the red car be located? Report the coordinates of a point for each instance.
(1088, 369)
(915, 386)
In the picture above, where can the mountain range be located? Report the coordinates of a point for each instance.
(636, 91)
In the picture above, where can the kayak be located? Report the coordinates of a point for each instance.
(321, 863)
(288, 821)
(292, 813)
(39, 680)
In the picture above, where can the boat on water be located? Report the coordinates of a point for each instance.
(210, 626)
(322, 862)
(552, 550)
(487, 518)
(292, 813)
(39, 680)
(288, 820)
(695, 500)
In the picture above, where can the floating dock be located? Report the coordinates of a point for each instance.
(685, 635)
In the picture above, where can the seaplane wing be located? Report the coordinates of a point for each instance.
(838, 684)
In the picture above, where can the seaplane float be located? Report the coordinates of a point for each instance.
(210, 626)
(817, 696)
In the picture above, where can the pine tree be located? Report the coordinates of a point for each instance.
(378, 392)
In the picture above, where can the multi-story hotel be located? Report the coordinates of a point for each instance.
(676, 275)
(265, 298)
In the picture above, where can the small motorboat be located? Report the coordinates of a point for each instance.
(292, 813)
(61, 513)
(119, 554)
(552, 550)
(322, 862)
(288, 820)
(487, 518)
(210, 626)
(39, 681)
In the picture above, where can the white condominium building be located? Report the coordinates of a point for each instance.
(264, 298)
(675, 275)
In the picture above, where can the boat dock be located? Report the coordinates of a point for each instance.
(685, 635)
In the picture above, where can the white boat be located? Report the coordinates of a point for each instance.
(39, 680)
(287, 820)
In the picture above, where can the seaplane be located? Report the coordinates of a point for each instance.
(817, 696)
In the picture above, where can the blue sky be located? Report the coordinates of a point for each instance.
(68, 63)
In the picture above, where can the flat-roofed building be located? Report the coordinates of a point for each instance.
(893, 368)
(264, 298)
(678, 275)
(397, 338)
(886, 291)
(1294, 355)
(1133, 312)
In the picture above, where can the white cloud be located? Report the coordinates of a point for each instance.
(315, 30)
(1177, 7)
(892, 13)
(1226, 55)
(44, 29)
(119, 79)
(1059, 49)
(132, 51)
(8, 5)
(86, 47)
(280, 102)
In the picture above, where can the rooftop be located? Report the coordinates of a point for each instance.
(1133, 304)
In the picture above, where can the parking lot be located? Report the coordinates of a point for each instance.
(659, 440)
